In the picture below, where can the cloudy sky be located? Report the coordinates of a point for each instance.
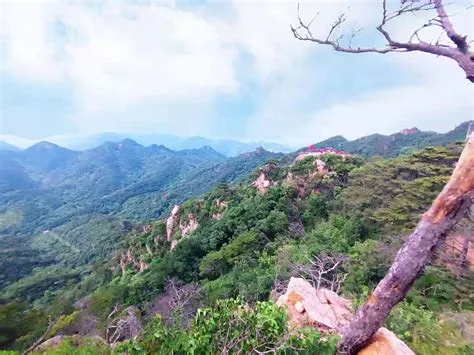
(216, 69)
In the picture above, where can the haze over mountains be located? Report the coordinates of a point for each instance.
(375, 144)
(228, 147)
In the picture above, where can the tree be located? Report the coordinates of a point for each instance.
(450, 205)
(458, 49)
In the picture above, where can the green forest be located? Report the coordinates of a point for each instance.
(77, 269)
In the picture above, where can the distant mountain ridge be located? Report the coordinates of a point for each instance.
(390, 146)
(387, 146)
(228, 147)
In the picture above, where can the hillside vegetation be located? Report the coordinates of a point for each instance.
(92, 238)
(248, 241)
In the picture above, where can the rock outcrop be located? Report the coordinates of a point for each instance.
(221, 206)
(129, 259)
(264, 181)
(328, 312)
(175, 224)
(322, 308)
(408, 131)
(171, 222)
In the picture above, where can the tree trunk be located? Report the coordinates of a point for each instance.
(463, 262)
(447, 209)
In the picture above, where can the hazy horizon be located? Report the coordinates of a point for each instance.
(215, 69)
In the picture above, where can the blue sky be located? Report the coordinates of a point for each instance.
(222, 69)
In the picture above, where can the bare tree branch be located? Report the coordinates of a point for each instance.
(460, 53)
(456, 38)
(322, 271)
(43, 336)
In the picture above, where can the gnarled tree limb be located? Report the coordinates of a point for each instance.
(460, 53)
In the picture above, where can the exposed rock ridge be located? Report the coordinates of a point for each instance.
(174, 224)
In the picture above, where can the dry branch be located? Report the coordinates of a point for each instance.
(43, 336)
(460, 52)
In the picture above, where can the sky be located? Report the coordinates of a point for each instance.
(218, 69)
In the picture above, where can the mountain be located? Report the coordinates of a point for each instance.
(4, 146)
(390, 146)
(228, 147)
(45, 156)
(132, 226)
(68, 206)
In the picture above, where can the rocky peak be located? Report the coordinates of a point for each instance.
(408, 131)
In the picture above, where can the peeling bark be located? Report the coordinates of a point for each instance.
(463, 263)
(447, 209)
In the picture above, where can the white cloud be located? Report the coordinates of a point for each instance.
(159, 67)
(433, 93)
(29, 52)
(120, 55)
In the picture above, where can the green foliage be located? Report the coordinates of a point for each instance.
(438, 288)
(368, 264)
(232, 326)
(75, 345)
(246, 240)
(393, 193)
(337, 235)
(315, 209)
(75, 216)
(425, 334)
(304, 166)
(104, 299)
(19, 326)
(62, 322)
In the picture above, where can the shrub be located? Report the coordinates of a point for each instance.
(232, 326)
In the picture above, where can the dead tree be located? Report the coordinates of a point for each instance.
(458, 48)
(322, 271)
(448, 208)
(43, 337)
(125, 325)
(183, 298)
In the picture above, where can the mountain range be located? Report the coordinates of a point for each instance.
(82, 231)
(390, 146)
(228, 147)
(83, 197)
(376, 144)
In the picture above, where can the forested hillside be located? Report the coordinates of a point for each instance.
(405, 141)
(242, 241)
(65, 208)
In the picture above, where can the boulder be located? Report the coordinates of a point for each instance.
(321, 308)
(385, 342)
(328, 312)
